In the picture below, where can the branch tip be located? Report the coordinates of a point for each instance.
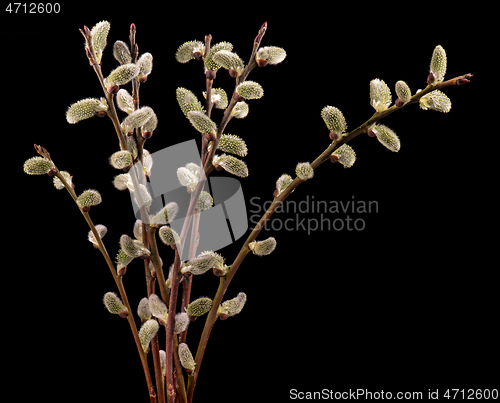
(464, 79)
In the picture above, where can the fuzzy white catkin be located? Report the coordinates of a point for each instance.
(158, 308)
(199, 307)
(137, 118)
(101, 231)
(143, 310)
(124, 101)
(185, 357)
(304, 171)
(232, 307)
(147, 332)
(202, 122)
(113, 303)
(145, 64)
(250, 90)
(380, 95)
(200, 264)
(85, 109)
(387, 137)
(263, 248)
(438, 64)
(37, 166)
(231, 164)
(99, 35)
(89, 197)
(122, 75)
(121, 52)
(345, 155)
(271, 54)
(334, 119)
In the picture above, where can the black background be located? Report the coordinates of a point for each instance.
(406, 304)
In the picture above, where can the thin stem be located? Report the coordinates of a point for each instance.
(169, 349)
(155, 258)
(188, 280)
(155, 350)
(179, 373)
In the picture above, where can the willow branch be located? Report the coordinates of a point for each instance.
(380, 115)
(227, 113)
(109, 97)
(117, 278)
(225, 281)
